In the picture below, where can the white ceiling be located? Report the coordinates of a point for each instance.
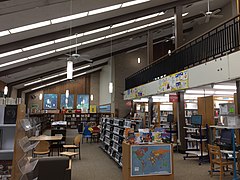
(14, 13)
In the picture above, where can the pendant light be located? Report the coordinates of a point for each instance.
(67, 93)
(5, 91)
(40, 96)
(110, 87)
(69, 69)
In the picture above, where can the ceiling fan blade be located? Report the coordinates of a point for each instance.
(203, 13)
(207, 19)
(216, 11)
(85, 59)
(68, 55)
(62, 58)
(85, 56)
(217, 16)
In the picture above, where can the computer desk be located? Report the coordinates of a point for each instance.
(233, 144)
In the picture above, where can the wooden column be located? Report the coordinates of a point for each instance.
(237, 99)
(150, 110)
(178, 25)
(19, 133)
(206, 109)
(149, 47)
(181, 122)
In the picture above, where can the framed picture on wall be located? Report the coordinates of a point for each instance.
(67, 103)
(83, 102)
(50, 101)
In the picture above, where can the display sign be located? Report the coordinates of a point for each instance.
(171, 83)
(173, 98)
(148, 160)
(83, 102)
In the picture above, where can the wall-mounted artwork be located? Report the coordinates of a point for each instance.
(50, 101)
(67, 103)
(83, 102)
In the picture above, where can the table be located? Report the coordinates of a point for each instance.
(47, 138)
(234, 147)
(69, 154)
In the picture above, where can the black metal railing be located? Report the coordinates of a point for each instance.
(221, 40)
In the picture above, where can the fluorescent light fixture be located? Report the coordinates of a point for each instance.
(67, 93)
(141, 100)
(30, 26)
(131, 3)
(123, 23)
(110, 87)
(41, 54)
(199, 92)
(54, 76)
(55, 82)
(40, 96)
(93, 40)
(69, 69)
(137, 28)
(13, 62)
(83, 67)
(5, 90)
(4, 33)
(68, 47)
(10, 53)
(68, 38)
(38, 46)
(69, 18)
(96, 30)
(147, 17)
(77, 75)
(105, 9)
(138, 60)
(224, 87)
(91, 97)
(225, 92)
(116, 34)
(185, 14)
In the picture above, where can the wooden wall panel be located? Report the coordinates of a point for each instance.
(78, 86)
(206, 109)
(2, 84)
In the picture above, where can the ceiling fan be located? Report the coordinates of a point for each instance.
(211, 14)
(76, 56)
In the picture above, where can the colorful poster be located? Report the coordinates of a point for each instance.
(171, 83)
(151, 160)
(93, 108)
(67, 103)
(83, 102)
(50, 101)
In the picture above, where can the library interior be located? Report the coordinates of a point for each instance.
(119, 90)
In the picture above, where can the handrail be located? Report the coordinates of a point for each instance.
(216, 40)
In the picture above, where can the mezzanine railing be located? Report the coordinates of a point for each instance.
(221, 40)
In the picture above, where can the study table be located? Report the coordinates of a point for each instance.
(47, 138)
(232, 128)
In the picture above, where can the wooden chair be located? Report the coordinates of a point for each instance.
(216, 158)
(42, 148)
(75, 145)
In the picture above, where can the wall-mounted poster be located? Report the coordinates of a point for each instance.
(83, 102)
(67, 103)
(50, 101)
(105, 108)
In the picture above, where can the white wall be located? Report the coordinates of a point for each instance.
(105, 78)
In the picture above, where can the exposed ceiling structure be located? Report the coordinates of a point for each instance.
(35, 34)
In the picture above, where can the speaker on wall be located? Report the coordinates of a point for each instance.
(10, 114)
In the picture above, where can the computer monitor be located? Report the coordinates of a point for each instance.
(226, 136)
(170, 118)
(196, 119)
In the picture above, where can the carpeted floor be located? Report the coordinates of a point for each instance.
(96, 165)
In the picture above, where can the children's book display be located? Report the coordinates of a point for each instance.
(147, 136)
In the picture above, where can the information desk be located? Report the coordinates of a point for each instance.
(147, 162)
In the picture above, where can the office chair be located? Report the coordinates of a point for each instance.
(75, 145)
(216, 158)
